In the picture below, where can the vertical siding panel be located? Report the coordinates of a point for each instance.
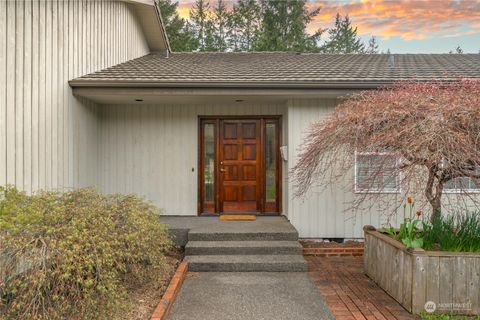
(19, 112)
(48, 94)
(27, 98)
(35, 94)
(61, 80)
(53, 66)
(161, 148)
(10, 95)
(3, 94)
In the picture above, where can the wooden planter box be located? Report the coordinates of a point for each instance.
(417, 277)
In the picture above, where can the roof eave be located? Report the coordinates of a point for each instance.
(80, 83)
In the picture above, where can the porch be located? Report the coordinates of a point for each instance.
(154, 147)
(267, 244)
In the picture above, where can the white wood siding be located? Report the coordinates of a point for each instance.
(151, 150)
(48, 137)
(325, 214)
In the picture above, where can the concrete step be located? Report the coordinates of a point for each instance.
(201, 235)
(242, 247)
(247, 263)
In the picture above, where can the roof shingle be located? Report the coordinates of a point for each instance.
(271, 69)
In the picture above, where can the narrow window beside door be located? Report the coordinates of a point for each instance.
(270, 167)
(209, 167)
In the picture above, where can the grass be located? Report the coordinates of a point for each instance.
(436, 316)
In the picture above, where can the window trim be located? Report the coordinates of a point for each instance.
(376, 191)
(459, 191)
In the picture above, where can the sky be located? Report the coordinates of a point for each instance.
(403, 26)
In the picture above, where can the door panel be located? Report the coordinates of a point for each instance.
(239, 179)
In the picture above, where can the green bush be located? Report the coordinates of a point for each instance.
(72, 255)
(459, 232)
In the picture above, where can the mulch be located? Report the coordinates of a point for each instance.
(142, 300)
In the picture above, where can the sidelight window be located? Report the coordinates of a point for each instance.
(271, 154)
(209, 167)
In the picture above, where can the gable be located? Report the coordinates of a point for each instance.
(150, 19)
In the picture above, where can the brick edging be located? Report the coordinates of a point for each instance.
(333, 252)
(165, 305)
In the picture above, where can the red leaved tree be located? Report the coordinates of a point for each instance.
(431, 129)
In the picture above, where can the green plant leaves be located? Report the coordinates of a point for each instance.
(413, 243)
(73, 254)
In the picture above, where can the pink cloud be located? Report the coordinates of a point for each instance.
(408, 19)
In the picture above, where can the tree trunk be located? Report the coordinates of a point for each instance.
(436, 207)
(434, 191)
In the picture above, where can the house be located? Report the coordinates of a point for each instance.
(91, 95)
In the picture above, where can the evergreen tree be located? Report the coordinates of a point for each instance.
(244, 25)
(210, 37)
(343, 37)
(200, 17)
(372, 46)
(219, 21)
(284, 25)
(179, 31)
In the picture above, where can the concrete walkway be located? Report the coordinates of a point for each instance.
(249, 295)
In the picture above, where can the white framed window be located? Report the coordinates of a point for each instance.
(375, 172)
(462, 184)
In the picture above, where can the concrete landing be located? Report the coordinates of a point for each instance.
(201, 228)
(250, 295)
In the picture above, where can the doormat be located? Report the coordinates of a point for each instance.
(238, 217)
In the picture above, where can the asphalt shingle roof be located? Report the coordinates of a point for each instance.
(271, 69)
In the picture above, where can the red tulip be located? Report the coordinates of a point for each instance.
(409, 200)
(419, 213)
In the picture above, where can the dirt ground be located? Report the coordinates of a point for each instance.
(144, 299)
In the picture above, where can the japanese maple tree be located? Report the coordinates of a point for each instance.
(432, 128)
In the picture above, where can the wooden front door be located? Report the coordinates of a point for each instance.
(239, 156)
(239, 165)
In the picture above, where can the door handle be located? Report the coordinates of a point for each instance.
(223, 170)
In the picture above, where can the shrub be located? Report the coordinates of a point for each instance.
(71, 255)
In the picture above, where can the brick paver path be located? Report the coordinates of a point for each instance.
(349, 293)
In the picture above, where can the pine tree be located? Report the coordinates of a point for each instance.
(179, 31)
(372, 46)
(200, 17)
(219, 21)
(343, 37)
(244, 25)
(209, 37)
(284, 25)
